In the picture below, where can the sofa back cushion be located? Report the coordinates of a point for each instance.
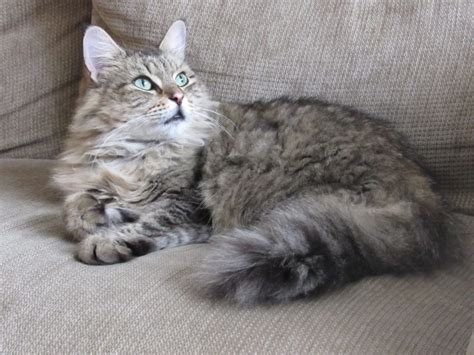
(410, 62)
(40, 66)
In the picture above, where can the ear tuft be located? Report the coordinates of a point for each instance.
(99, 49)
(175, 40)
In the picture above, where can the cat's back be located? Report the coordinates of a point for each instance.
(279, 148)
(282, 130)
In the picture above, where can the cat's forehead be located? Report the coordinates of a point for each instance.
(157, 63)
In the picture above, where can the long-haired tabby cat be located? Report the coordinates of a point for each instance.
(303, 195)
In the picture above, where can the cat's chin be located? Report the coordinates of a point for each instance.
(178, 117)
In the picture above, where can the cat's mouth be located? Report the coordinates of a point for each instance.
(177, 117)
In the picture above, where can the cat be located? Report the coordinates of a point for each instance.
(129, 168)
(302, 195)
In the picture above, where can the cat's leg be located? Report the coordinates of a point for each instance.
(85, 214)
(114, 245)
(313, 242)
(163, 224)
(121, 243)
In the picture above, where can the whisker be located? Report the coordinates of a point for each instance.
(215, 122)
(137, 120)
(214, 112)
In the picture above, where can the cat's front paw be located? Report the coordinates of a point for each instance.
(83, 214)
(98, 249)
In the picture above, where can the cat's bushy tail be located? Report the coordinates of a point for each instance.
(317, 242)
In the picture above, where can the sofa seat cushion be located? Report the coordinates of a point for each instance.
(49, 302)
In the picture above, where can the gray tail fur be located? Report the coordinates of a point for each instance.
(314, 243)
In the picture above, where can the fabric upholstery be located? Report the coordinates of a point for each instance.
(49, 302)
(470, 347)
(410, 62)
(40, 66)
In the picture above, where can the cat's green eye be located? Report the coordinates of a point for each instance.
(143, 83)
(181, 79)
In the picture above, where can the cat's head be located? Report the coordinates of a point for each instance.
(146, 95)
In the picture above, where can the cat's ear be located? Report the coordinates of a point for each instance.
(175, 40)
(99, 50)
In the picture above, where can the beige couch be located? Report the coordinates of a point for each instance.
(410, 62)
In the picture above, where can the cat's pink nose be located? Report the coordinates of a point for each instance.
(176, 96)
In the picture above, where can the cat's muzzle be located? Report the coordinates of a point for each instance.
(177, 117)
